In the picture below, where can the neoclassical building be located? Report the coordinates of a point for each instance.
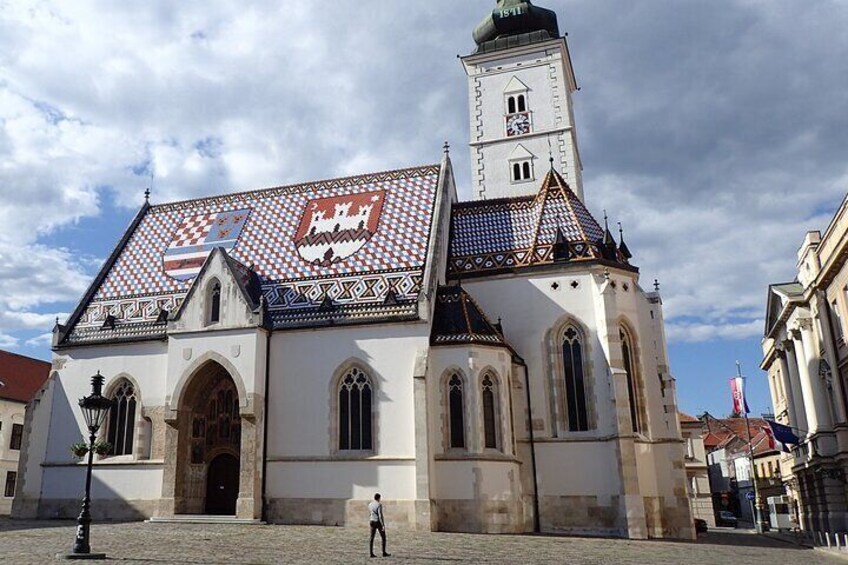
(281, 354)
(805, 355)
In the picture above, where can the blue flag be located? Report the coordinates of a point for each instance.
(781, 434)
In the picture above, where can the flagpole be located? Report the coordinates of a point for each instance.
(758, 523)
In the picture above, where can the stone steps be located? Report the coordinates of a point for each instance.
(204, 519)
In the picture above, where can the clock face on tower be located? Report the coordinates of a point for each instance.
(517, 124)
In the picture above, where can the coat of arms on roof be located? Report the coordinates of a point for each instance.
(334, 228)
(197, 236)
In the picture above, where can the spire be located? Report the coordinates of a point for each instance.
(608, 239)
(622, 247)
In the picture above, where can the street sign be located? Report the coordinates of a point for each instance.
(749, 495)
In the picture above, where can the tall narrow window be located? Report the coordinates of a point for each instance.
(836, 320)
(121, 429)
(355, 411)
(215, 303)
(17, 434)
(575, 386)
(11, 479)
(632, 381)
(525, 169)
(510, 102)
(457, 416)
(522, 106)
(489, 420)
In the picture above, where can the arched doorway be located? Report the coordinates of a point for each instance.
(210, 445)
(222, 483)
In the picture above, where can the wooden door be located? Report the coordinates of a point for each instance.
(222, 485)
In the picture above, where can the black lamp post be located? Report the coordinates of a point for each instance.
(94, 407)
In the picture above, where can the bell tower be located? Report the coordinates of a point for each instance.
(520, 82)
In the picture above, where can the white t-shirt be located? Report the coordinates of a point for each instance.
(375, 510)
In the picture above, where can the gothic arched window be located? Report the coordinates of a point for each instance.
(490, 419)
(632, 380)
(121, 427)
(575, 385)
(355, 395)
(457, 415)
(215, 303)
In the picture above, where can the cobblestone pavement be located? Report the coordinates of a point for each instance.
(26, 542)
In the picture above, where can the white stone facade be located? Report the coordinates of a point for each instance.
(541, 73)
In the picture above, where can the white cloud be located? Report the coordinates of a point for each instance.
(717, 153)
(695, 332)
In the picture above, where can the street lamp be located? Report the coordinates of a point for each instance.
(94, 408)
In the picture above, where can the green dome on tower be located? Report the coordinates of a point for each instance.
(513, 23)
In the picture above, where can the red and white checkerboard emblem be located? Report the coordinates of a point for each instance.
(334, 228)
(197, 236)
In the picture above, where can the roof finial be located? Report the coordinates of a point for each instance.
(147, 194)
(656, 285)
(622, 247)
(606, 220)
(446, 147)
(550, 153)
(606, 274)
(738, 369)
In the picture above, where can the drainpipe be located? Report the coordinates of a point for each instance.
(265, 429)
(536, 519)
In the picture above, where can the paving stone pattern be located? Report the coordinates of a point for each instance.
(29, 542)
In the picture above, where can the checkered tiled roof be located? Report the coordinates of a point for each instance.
(458, 319)
(136, 286)
(505, 234)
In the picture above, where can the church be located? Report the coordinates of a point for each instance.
(282, 354)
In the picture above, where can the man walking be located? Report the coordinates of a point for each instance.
(378, 523)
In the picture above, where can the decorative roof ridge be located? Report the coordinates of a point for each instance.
(340, 181)
(101, 276)
(568, 195)
(494, 201)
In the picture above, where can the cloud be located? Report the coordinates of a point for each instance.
(715, 132)
(697, 332)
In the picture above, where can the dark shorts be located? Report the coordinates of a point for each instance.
(376, 526)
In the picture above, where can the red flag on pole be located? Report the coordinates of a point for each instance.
(737, 387)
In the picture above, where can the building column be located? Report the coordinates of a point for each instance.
(787, 387)
(794, 390)
(824, 327)
(632, 517)
(423, 505)
(812, 389)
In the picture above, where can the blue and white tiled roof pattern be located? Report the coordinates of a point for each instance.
(518, 232)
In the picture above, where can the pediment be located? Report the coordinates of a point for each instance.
(238, 301)
(520, 153)
(515, 85)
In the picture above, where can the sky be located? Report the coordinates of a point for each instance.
(716, 132)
